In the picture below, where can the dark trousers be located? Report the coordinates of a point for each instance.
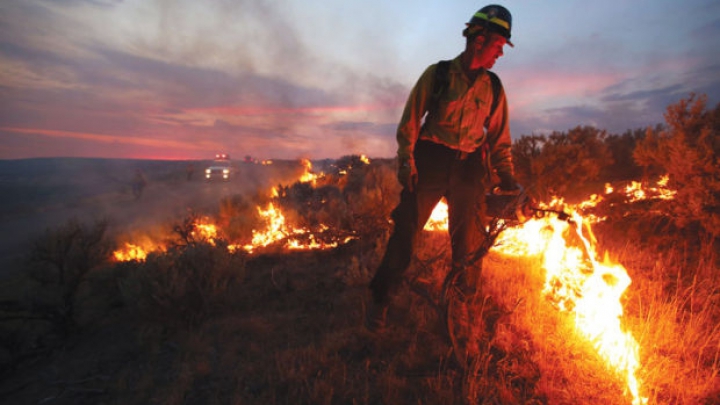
(442, 172)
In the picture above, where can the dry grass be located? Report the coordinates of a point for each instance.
(293, 334)
(674, 312)
(197, 325)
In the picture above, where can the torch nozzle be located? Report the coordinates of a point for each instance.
(561, 214)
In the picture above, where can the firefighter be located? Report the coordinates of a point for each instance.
(449, 139)
(189, 171)
(138, 183)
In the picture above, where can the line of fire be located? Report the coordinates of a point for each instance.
(578, 279)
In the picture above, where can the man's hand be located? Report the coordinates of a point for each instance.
(508, 182)
(407, 174)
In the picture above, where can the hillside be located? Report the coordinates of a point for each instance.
(198, 323)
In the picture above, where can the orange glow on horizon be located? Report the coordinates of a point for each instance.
(104, 138)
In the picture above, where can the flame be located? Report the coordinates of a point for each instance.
(308, 175)
(438, 218)
(205, 230)
(138, 251)
(576, 280)
(277, 230)
(274, 231)
(133, 252)
(636, 191)
(364, 159)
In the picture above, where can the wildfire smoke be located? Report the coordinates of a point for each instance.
(273, 230)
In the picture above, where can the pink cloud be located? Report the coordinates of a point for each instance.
(274, 110)
(535, 88)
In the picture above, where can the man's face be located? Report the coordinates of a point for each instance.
(485, 50)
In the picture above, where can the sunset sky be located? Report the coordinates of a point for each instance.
(184, 79)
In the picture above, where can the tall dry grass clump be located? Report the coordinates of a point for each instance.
(184, 286)
(673, 308)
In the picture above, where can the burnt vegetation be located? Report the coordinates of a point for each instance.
(200, 323)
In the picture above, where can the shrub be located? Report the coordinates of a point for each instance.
(60, 261)
(571, 159)
(556, 163)
(237, 217)
(372, 192)
(621, 147)
(184, 286)
(688, 149)
(524, 151)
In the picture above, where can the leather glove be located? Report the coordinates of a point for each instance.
(407, 174)
(508, 182)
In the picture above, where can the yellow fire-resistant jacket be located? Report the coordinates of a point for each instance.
(458, 121)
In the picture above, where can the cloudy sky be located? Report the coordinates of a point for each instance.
(184, 79)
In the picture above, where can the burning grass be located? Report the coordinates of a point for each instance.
(198, 322)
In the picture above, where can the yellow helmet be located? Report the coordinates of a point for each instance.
(493, 17)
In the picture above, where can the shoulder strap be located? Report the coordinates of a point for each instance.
(440, 83)
(496, 87)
